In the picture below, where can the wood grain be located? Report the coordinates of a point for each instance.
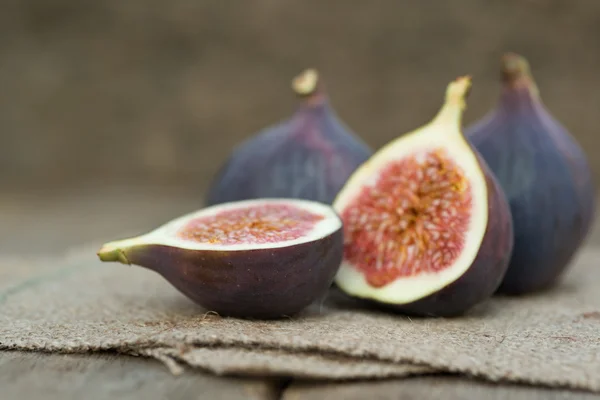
(28, 376)
(427, 388)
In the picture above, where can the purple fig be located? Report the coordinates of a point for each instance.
(265, 258)
(545, 176)
(427, 228)
(309, 156)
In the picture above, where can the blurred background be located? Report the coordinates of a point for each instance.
(115, 114)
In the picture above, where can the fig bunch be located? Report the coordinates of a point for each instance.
(433, 223)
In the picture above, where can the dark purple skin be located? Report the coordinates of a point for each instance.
(257, 284)
(481, 280)
(309, 156)
(545, 176)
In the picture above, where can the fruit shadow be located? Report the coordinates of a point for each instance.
(337, 300)
(180, 306)
(561, 288)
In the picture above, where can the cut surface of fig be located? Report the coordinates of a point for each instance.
(306, 156)
(426, 228)
(545, 175)
(263, 258)
(417, 216)
(268, 225)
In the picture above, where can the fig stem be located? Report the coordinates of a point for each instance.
(306, 83)
(455, 101)
(516, 72)
(458, 90)
(115, 251)
(514, 66)
(113, 255)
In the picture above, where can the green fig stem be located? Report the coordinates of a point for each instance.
(457, 92)
(455, 102)
(115, 251)
(516, 73)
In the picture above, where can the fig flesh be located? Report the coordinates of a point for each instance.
(545, 176)
(308, 156)
(265, 258)
(427, 229)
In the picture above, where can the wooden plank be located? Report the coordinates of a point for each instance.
(427, 388)
(25, 376)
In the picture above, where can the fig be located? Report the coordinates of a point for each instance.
(544, 174)
(308, 156)
(427, 228)
(259, 258)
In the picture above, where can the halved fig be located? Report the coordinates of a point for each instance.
(262, 258)
(427, 228)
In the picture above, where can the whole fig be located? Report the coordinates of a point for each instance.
(545, 176)
(308, 156)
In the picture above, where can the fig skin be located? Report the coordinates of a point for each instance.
(545, 176)
(256, 284)
(308, 156)
(482, 278)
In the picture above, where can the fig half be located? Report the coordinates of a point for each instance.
(545, 175)
(308, 156)
(427, 228)
(264, 258)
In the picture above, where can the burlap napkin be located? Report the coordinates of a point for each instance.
(80, 305)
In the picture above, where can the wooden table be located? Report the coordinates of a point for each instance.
(29, 224)
(26, 376)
